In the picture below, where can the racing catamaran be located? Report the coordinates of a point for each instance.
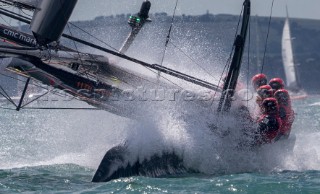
(93, 78)
(292, 82)
(98, 81)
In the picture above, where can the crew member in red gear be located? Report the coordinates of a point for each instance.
(263, 92)
(269, 123)
(259, 80)
(276, 84)
(285, 112)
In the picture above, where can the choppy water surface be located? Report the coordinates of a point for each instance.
(51, 151)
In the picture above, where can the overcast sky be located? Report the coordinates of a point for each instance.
(89, 9)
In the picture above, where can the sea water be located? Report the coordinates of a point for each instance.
(50, 151)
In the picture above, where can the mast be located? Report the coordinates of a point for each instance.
(234, 70)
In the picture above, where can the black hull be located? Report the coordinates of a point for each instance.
(114, 166)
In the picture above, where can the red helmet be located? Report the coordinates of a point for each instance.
(282, 97)
(265, 91)
(259, 80)
(276, 84)
(270, 106)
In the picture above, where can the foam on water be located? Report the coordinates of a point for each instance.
(32, 137)
(83, 138)
(188, 135)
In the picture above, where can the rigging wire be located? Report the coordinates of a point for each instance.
(10, 19)
(85, 72)
(164, 78)
(18, 48)
(68, 23)
(6, 96)
(169, 34)
(4, 108)
(52, 91)
(168, 38)
(75, 45)
(5, 20)
(52, 108)
(25, 13)
(37, 98)
(13, 13)
(145, 67)
(19, 80)
(228, 63)
(118, 51)
(3, 4)
(128, 72)
(166, 46)
(266, 44)
(57, 93)
(93, 36)
(193, 60)
(102, 41)
(77, 50)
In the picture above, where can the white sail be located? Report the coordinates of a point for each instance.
(287, 57)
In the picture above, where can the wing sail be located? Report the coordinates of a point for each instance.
(49, 21)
